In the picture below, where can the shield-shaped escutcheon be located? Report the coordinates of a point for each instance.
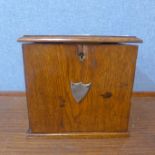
(79, 90)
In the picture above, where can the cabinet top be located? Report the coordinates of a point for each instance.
(80, 39)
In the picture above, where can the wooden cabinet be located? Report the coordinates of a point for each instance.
(79, 86)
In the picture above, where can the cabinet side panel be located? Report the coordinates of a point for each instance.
(26, 83)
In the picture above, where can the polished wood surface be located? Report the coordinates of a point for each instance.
(81, 135)
(49, 70)
(80, 38)
(14, 139)
(144, 94)
(135, 93)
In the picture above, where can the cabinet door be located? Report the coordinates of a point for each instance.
(51, 68)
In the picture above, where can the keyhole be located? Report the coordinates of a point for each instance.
(81, 52)
(81, 56)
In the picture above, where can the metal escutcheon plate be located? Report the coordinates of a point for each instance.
(79, 90)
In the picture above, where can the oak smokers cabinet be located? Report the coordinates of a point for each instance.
(79, 86)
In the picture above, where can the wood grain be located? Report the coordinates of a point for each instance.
(49, 70)
(14, 140)
(135, 93)
(80, 39)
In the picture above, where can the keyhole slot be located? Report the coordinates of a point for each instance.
(81, 52)
(81, 56)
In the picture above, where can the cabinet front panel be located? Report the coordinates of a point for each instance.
(51, 68)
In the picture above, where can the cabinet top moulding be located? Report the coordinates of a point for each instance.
(79, 39)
